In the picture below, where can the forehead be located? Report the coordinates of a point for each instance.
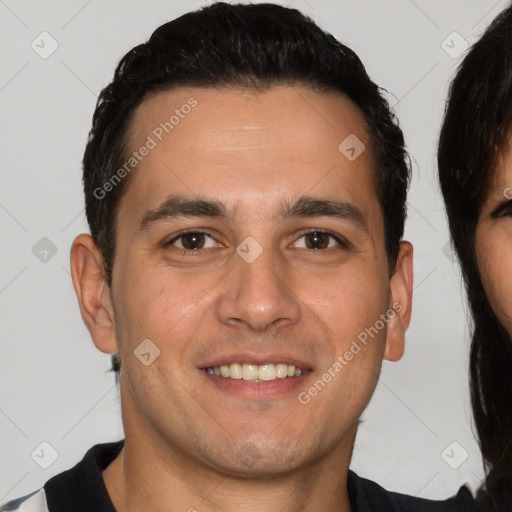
(503, 168)
(234, 144)
(500, 176)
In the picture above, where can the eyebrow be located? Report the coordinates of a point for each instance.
(176, 206)
(318, 207)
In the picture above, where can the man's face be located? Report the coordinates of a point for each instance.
(291, 273)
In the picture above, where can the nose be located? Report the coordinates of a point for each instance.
(258, 294)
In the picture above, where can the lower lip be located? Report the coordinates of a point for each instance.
(265, 390)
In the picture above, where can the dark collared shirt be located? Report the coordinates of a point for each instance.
(82, 489)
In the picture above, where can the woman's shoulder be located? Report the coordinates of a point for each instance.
(371, 497)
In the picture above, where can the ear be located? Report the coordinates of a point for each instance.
(93, 293)
(400, 304)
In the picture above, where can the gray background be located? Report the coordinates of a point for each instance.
(54, 385)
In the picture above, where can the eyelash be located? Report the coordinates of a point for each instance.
(343, 244)
(503, 210)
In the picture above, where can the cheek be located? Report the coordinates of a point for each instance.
(494, 251)
(158, 305)
(349, 303)
(172, 307)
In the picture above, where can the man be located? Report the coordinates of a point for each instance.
(245, 189)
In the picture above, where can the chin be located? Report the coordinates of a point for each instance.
(253, 459)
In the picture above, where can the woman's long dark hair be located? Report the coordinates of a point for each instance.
(476, 126)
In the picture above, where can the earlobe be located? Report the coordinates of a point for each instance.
(93, 293)
(400, 303)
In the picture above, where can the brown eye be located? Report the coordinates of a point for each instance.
(318, 240)
(193, 241)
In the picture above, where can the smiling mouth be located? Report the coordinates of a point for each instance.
(256, 373)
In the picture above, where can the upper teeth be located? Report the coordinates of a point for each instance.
(253, 372)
